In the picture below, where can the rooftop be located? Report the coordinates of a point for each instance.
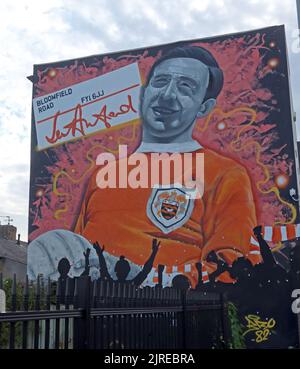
(11, 250)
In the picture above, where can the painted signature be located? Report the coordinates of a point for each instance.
(261, 328)
(80, 124)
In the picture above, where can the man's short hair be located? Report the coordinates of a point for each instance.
(216, 78)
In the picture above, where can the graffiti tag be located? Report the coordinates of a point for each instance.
(261, 328)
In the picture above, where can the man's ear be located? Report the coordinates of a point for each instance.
(206, 107)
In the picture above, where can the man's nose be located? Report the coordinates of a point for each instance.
(169, 92)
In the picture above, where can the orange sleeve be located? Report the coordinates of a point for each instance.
(230, 217)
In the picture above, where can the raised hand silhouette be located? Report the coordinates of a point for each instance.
(155, 245)
(265, 249)
(102, 263)
(142, 275)
(257, 231)
(97, 247)
(86, 255)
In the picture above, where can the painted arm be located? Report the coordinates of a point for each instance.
(86, 271)
(265, 250)
(221, 266)
(142, 275)
(102, 263)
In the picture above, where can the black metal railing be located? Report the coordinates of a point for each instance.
(81, 314)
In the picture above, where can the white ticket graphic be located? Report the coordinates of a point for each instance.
(87, 107)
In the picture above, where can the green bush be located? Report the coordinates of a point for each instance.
(237, 340)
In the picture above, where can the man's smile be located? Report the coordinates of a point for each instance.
(163, 110)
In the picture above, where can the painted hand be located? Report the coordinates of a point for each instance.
(155, 245)
(258, 231)
(87, 253)
(99, 250)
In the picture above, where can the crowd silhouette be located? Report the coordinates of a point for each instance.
(263, 289)
(265, 274)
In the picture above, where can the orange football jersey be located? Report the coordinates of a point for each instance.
(222, 220)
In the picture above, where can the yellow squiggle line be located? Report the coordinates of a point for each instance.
(267, 178)
(265, 170)
(61, 173)
(227, 115)
(257, 154)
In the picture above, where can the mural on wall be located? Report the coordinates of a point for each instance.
(102, 123)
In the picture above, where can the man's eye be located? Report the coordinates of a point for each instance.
(186, 86)
(159, 82)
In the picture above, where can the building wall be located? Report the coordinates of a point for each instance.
(10, 267)
(1, 265)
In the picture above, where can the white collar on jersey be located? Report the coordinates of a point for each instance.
(179, 147)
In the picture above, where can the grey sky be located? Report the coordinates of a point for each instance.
(35, 31)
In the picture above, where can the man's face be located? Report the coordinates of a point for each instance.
(174, 96)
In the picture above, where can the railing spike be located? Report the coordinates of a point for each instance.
(26, 289)
(49, 287)
(38, 286)
(14, 285)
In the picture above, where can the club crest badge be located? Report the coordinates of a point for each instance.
(169, 208)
